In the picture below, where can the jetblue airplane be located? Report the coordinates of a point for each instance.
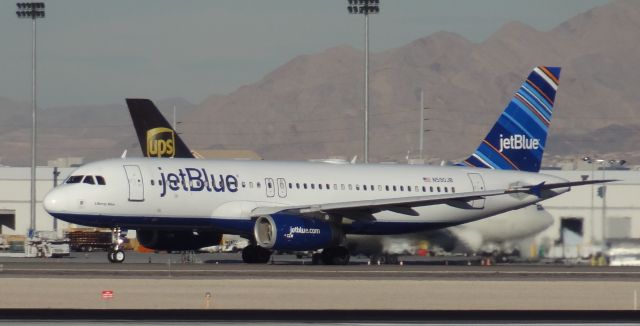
(498, 233)
(299, 206)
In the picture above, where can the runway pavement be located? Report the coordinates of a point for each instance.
(94, 265)
(165, 283)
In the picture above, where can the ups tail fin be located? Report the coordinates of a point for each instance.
(156, 136)
(517, 140)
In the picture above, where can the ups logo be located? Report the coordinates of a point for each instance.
(161, 142)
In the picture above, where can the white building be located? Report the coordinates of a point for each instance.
(15, 194)
(590, 216)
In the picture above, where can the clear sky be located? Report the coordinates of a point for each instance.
(99, 52)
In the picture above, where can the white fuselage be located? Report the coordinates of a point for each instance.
(161, 193)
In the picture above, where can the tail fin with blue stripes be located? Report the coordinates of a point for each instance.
(517, 140)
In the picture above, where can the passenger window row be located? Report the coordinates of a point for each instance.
(358, 187)
(350, 187)
(193, 184)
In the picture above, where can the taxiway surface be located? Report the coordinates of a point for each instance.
(214, 283)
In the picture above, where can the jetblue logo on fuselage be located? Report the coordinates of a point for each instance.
(518, 142)
(298, 229)
(192, 179)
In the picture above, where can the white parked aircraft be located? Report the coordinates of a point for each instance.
(293, 206)
(496, 235)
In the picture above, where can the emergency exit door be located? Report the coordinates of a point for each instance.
(282, 188)
(270, 187)
(478, 185)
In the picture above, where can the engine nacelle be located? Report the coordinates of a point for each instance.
(295, 233)
(177, 240)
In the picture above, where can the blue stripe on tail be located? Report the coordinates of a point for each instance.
(517, 140)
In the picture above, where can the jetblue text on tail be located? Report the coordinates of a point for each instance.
(517, 140)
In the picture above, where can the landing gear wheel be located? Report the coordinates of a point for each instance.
(391, 259)
(253, 254)
(378, 260)
(248, 254)
(316, 258)
(116, 256)
(335, 256)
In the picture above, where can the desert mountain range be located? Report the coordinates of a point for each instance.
(311, 107)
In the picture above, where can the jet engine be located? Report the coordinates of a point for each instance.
(178, 240)
(295, 233)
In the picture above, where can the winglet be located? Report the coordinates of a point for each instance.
(537, 189)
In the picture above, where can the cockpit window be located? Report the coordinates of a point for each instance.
(74, 179)
(89, 179)
(100, 180)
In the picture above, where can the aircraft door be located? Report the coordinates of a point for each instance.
(478, 185)
(270, 187)
(282, 188)
(136, 186)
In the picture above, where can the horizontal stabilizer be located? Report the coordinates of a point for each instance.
(537, 189)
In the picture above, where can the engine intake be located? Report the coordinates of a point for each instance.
(177, 240)
(291, 232)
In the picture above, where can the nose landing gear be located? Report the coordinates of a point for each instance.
(116, 254)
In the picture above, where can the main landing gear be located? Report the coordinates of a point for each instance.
(254, 254)
(116, 254)
(331, 256)
(384, 259)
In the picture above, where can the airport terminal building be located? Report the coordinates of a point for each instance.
(590, 217)
(15, 198)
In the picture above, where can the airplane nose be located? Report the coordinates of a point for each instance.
(550, 179)
(53, 201)
(545, 219)
(560, 190)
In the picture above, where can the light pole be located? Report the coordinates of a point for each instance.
(593, 162)
(602, 190)
(56, 174)
(33, 11)
(422, 120)
(365, 7)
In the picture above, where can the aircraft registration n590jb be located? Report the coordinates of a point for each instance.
(184, 204)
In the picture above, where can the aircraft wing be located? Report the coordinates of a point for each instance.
(391, 203)
(378, 203)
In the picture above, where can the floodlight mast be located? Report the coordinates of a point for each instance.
(33, 11)
(365, 7)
